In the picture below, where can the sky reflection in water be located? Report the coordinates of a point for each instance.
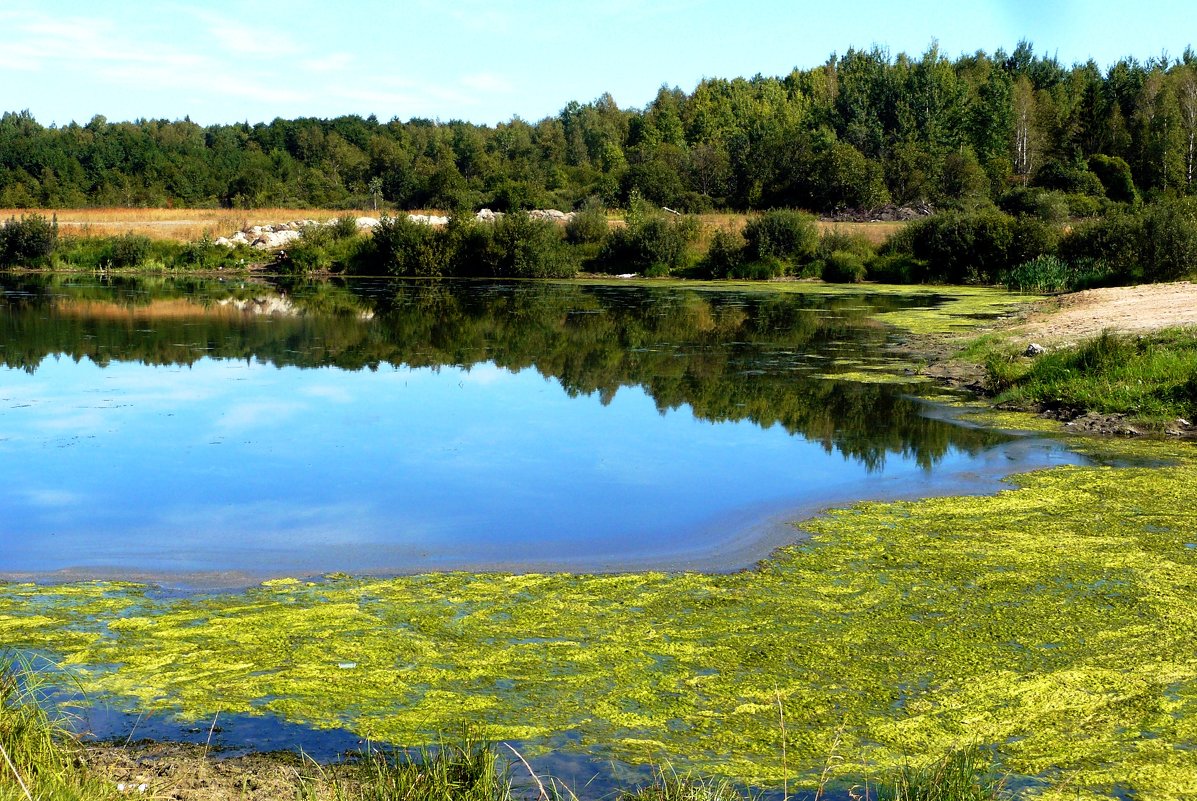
(239, 465)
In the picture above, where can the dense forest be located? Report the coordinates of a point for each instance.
(860, 131)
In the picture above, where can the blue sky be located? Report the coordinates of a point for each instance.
(221, 61)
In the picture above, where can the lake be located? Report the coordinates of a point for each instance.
(207, 433)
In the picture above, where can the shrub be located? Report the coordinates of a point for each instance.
(401, 246)
(1086, 206)
(843, 267)
(725, 254)
(27, 242)
(1156, 243)
(759, 270)
(202, 253)
(343, 227)
(588, 226)
(1115, 176)
(834, 240)
(1071, 178)
(790, 236)
(1169, 245)
(963, 247)
(523, 247)
(335, 247)
(468, 242)
(129, 250)
(1113, 241)
(897, 268)
(1045, 205)
(649, 241)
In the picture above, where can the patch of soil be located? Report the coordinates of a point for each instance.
(1081, 315)
(187, 772)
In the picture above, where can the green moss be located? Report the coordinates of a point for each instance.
(1056, 621)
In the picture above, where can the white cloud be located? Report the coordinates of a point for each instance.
(53, 498)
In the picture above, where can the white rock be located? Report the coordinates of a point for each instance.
(366, 222)
(223, 240)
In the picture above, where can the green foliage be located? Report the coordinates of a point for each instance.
(1169, 245)
(1069, 178)
(1155, 243)
(787, 236)
(523, 247)
(337, 247)
(588, 226)
(38, 755)
(725, 255)
(855, 132)
(403, 247)
(1049, 206)
(897, 268)
(1041, 274)
(650, 242)
(469, 770)
(1115, 176)
(974, 247)
(203, 254)
(28, 241)
(668, 785)
(129, 250)
(843, 267)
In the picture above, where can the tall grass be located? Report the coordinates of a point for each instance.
(39, 756)
(468, 771)
(965, 774)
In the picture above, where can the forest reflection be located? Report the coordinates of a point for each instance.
(727, 355)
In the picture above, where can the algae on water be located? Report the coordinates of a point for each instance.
(1056, 621)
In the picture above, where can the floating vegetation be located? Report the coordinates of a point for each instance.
(1055, 622)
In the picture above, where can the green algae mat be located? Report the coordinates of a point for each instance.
(1055, 622)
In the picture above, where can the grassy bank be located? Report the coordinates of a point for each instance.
(1150, 379)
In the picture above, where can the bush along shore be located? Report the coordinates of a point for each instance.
(1023, 244)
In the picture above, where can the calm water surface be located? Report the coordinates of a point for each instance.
(224, 432)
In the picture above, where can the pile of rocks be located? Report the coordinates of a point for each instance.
(552, 215)
(280, 235)
(888, 213)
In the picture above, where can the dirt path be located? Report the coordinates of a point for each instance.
(1081, 315)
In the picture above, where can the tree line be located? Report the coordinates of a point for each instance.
(862, 130)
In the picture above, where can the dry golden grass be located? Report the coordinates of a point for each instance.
(183, 225)
(875, 232)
